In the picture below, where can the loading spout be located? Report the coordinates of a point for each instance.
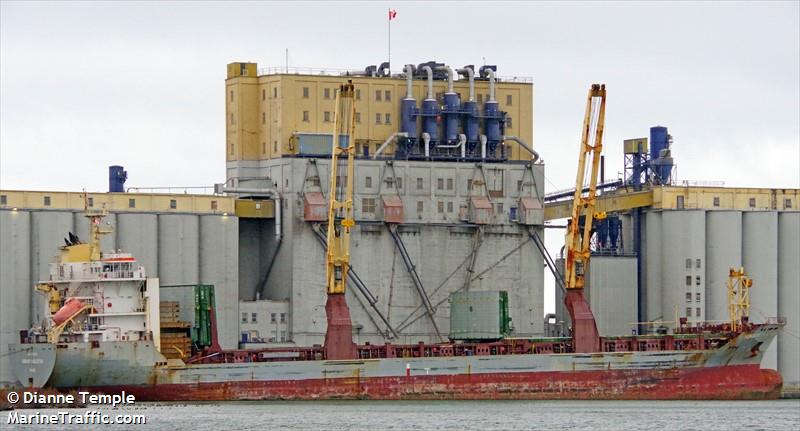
(387, 142)
(534, 155)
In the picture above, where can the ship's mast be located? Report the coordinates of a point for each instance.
(584, 328)
(95, 217)
(339, 336)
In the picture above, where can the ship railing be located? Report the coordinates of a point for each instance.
(776, 320)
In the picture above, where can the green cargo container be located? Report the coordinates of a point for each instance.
(196, 302)
(480, 315)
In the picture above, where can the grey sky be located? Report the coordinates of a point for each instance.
(87, 85)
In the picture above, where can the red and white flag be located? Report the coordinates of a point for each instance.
(392, 14)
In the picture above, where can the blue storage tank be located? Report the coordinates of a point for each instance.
(452, 104)
(116, 179)
(408, 123)
(472, 126)
(491, 126)
(658, 141)
(430, 113)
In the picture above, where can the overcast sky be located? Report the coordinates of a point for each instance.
(87, 85)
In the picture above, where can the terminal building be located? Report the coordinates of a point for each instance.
(449, 196)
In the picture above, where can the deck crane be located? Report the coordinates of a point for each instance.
(584, 328)
(339, 336)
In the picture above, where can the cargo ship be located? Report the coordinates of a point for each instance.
(103, 333)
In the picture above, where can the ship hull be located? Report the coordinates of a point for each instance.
(731, 371)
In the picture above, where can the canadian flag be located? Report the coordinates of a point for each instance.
(392, 14)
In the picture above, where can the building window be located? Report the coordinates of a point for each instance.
(420, 207)
(263, 94)
(305, 92)
(509, 123)
(387, 118)
(679, 202)
(688, 280)
(305, 116)
(131, 203)
(231, 149)
(273, 318)
(688, 263)
(358, 94)
(469, 185)
(688, 311)
(3, 200)
(368, 182)
(368, 205)
(697, 263)
(716, 201)
(419, 183)
(274, 146)
(326, 116)
(697, 280)
(283, 336)
(263, 118)
(89, 202)
(326, 93)
(508, 101)
(387, 95)
(449, 184)
(519, 185)
(697, 297)
(244, 317)
(752, 202)
(449, 207)
(275, 93)
(358, 118)
(232, 122)
(688, 296)
(46, 201)
(173, 204)
(440, 184)
(263, 148)
(283, 317)
(499, 209)
(697, 312)
(440, 207)
(213, 205)
(231, 95)
(787, 204)
(378, 118)
(378, 95)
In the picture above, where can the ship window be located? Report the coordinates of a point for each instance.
(419, 207)
(131, 203)
(387, 95)
(440, 184)
(305, 92)
(254, 317)
(419, 183)
(688, 280)
(449, 184)
(440, 207)
(716, 201)
(3, 200)
(697, 280)
(173, 203)
(368, 182)
(89, 202)
(283, 317)
(688, 263)
(752, 202)
(697, 263)
(244, 317)
(47, 201)
(688, 296)
(326, 93)
(273, 317)
(787, 204)
(305, 116)
(368, 206)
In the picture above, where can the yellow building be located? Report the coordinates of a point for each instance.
(264, 112)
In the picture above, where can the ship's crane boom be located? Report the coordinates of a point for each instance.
(338, 338)
(584, 328)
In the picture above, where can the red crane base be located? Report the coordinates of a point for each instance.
(584, 328)
(339, 336)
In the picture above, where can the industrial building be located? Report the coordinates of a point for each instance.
(449, 195)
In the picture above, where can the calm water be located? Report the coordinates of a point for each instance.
(459, 415)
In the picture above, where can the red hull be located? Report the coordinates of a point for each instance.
(718, 383)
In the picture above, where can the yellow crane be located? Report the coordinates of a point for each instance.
(584, 328)
(339, 336)
(739, 285)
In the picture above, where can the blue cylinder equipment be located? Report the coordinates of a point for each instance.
(658, 141)
(472, 126)
(116, 179)
(491, 125)
(408, 123)
(430, 112)
(452, 104)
